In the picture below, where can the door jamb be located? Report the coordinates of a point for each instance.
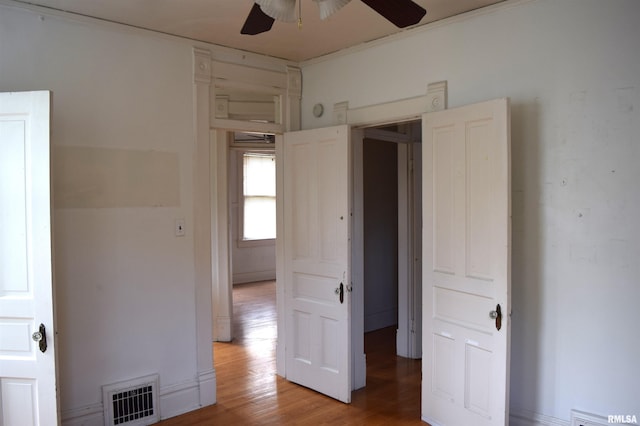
(400, 111)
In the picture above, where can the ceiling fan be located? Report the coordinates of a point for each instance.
(402, 13)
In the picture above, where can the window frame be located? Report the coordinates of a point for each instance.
(241, 241)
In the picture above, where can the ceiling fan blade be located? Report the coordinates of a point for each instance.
(401, 13)
(257, 22)
(280, 10)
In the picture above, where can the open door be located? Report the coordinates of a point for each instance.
(466, 275)
(317, 302)
(27, 338)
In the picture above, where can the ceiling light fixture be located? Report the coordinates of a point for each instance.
(402, 13)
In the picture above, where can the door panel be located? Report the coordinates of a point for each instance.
(27, 375)
(316, 260)
(466, 252)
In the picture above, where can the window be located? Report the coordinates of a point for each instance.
(258, 197)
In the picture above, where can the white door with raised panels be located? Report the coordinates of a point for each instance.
(466, 261)
(317, 302)
(27, 352)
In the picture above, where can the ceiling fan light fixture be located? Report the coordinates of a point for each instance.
(329, 7)
(280, 10)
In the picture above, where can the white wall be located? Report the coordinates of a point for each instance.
(125, 294)
(572, 71)
(249, 263)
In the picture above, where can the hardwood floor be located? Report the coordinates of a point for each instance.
(250, 393)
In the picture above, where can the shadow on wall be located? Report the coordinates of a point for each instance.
(527, 256)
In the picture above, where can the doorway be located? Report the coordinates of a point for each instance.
(252, 210)
(404, 279)
(392, 239)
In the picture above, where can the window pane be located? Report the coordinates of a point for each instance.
(259, 196)
(259, 218)
(259, 174)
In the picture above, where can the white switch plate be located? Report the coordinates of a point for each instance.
(180, 228)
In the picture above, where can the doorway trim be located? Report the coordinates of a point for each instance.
(211, 236)
(284, 84)
(212, 279)
(401, 111)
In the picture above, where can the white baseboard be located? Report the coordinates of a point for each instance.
(89, 415)
(519, 417)
(250, 277)
(175, 399)
(207, 380)
(522, 417)
(179, 398)
(432, 422)
(222, 330)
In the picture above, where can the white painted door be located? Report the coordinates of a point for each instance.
(317, 260)
(466, 275)
(27, 375)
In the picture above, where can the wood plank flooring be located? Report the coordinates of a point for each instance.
(250, 393)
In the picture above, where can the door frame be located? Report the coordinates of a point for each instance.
(401, 111)
(408, 336)
(211, 241)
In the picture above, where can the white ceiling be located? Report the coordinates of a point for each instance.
(219, 22)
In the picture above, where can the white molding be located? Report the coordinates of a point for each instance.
(292, 112)
(223, 332)
(221, 106)
(437, 96)
(280, 313)
(388, 112)
(263, 89)
(340, 113)
(179, 398)
(239, 75)
(220, 236)
(359, 360)
(431, 422)
(88, 415)
(582, 418)
(246, 126)
(284, 85)
(387, 136)
(202, 247)
(522, 417)
(201, 66)
(254, 276)
(207, 383)
(294, 81)
(404, 252)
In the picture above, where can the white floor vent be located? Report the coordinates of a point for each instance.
(134, 402)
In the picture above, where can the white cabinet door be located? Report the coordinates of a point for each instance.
(466, 261)
(317, 259)
(27, 375)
